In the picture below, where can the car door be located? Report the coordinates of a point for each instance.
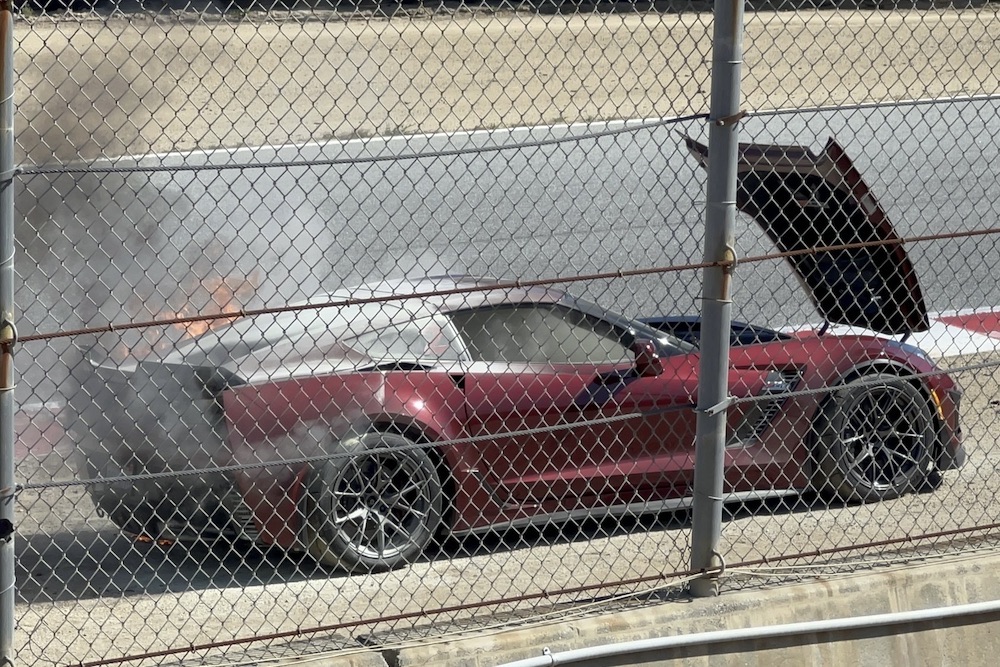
(651, 458)
(571, 422)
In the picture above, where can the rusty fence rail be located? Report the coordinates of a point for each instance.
(371, 325)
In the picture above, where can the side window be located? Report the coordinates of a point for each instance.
(539, 333)
(426, 338)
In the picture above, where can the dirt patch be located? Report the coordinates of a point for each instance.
(93, 88)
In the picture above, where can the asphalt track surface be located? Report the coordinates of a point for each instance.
(144, 243)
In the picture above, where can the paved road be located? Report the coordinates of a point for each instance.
(622, 202)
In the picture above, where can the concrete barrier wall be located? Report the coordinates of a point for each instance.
(934, 583)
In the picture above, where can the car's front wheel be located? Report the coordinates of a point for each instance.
(375, 506)
(875, 439)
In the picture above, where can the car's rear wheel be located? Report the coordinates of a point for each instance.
(875, 438)
(376, 507)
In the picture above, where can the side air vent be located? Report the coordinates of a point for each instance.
(777, 385)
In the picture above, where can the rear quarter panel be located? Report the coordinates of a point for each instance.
(277, 424)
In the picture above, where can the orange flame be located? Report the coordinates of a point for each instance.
(210, 296)
(227, 295)
(142, 538)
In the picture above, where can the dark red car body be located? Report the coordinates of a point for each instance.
(508, 480)
(516, 441)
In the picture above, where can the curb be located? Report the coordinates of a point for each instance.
(935, 583)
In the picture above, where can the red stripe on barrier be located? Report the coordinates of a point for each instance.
(987, 323)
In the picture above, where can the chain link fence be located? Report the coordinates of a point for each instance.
(372, 322)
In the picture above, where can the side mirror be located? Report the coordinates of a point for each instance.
(647, 361)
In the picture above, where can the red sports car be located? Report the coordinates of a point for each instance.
(360, 433)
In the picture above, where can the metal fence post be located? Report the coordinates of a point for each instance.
(7, 333)
(716, 306)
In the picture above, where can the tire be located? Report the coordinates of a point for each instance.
(875, 439)
(376, 509)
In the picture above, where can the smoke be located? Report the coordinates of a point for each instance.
(119, 248)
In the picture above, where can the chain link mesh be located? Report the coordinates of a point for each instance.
(373, 322)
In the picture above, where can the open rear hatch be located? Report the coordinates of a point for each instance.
(805, 201)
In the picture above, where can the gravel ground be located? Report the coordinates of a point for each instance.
(114, 86)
